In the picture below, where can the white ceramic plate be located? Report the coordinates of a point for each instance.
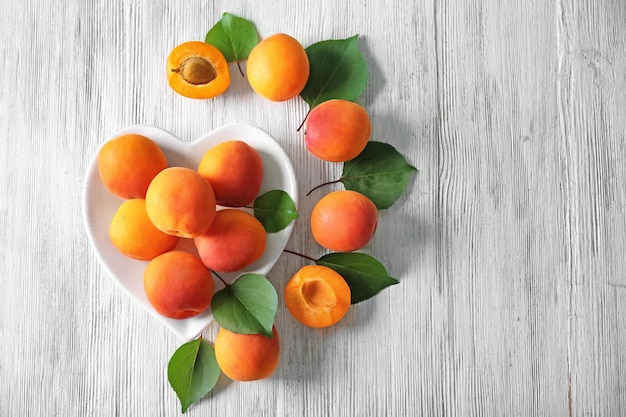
(99, 206)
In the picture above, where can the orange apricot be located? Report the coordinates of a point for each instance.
(247, 357)
(134, 235)
(317, 296)
(278, 67)
(178, 285)
(235, 171)
(197, 70)
(344, 221)
(181, 202)
(337, 130)
(127, 164)
(235, 240)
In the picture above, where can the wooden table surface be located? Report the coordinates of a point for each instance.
(509, 244)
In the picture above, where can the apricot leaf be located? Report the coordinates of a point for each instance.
(193, 371)
(275, 210)
(248, 306)
(365, 275)
(234, 36)
(338, 70)
(380, 172)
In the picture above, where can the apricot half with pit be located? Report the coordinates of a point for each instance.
(197, 70)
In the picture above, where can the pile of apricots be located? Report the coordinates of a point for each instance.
(157, 211)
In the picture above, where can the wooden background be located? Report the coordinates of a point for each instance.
(509, 245)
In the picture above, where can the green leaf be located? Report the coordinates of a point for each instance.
(193, 371)
(380, 172)
(338, 71)
(275, 210)
(248, 306)
(234, 37)
(365, 275)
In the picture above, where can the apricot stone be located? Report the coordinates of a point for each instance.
(337, 130)
(235, 240)
(235, 171)
(344, 221)
(181, 202)
(247, 357)
(178, 285)
(278, 67)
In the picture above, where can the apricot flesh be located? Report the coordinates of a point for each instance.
(133, 234)
(235, 240)
(128, 163)
(178, 285)
(278, 67)
(180, 202)
(235, 171)
(197, 70)
(337, 130)
(317, 296)
(247, 357)
(344, 221)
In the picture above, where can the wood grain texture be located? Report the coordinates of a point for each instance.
(509, 245)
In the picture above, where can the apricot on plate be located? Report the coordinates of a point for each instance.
(337, 130)
(178, 285)
(127, 164)
(235, 240)
(235, 171)
(180, 202)
(247, 357)
(344, 221)
(197, 70)
(317, 296)
(278, 67)
(133, 234)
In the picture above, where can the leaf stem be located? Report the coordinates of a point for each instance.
(304, 120)
(220, 278)
(300, 254)
(240, 70)
(323, 184)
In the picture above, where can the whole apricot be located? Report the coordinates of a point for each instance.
(317, 296)
(337, 130)
(127, 164)
(235, 240)
(197, 70)
(278, 67)
(178, 285)
(181, 202)
(344, 221)
(235, 171)
(134, 235)
(247, 357)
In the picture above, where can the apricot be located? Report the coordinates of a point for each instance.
(247, 357)
(128, 163)
(235, 171)
(317, 296)
(178, 285)
(278, 67)
(197, 70)
(337, 130)
(235, 240)
(344, 221)
(180, 202)
(134, 235)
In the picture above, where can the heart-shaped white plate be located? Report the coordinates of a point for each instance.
(99, 206)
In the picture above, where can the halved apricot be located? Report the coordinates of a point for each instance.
(317, 296)
(197, 70)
